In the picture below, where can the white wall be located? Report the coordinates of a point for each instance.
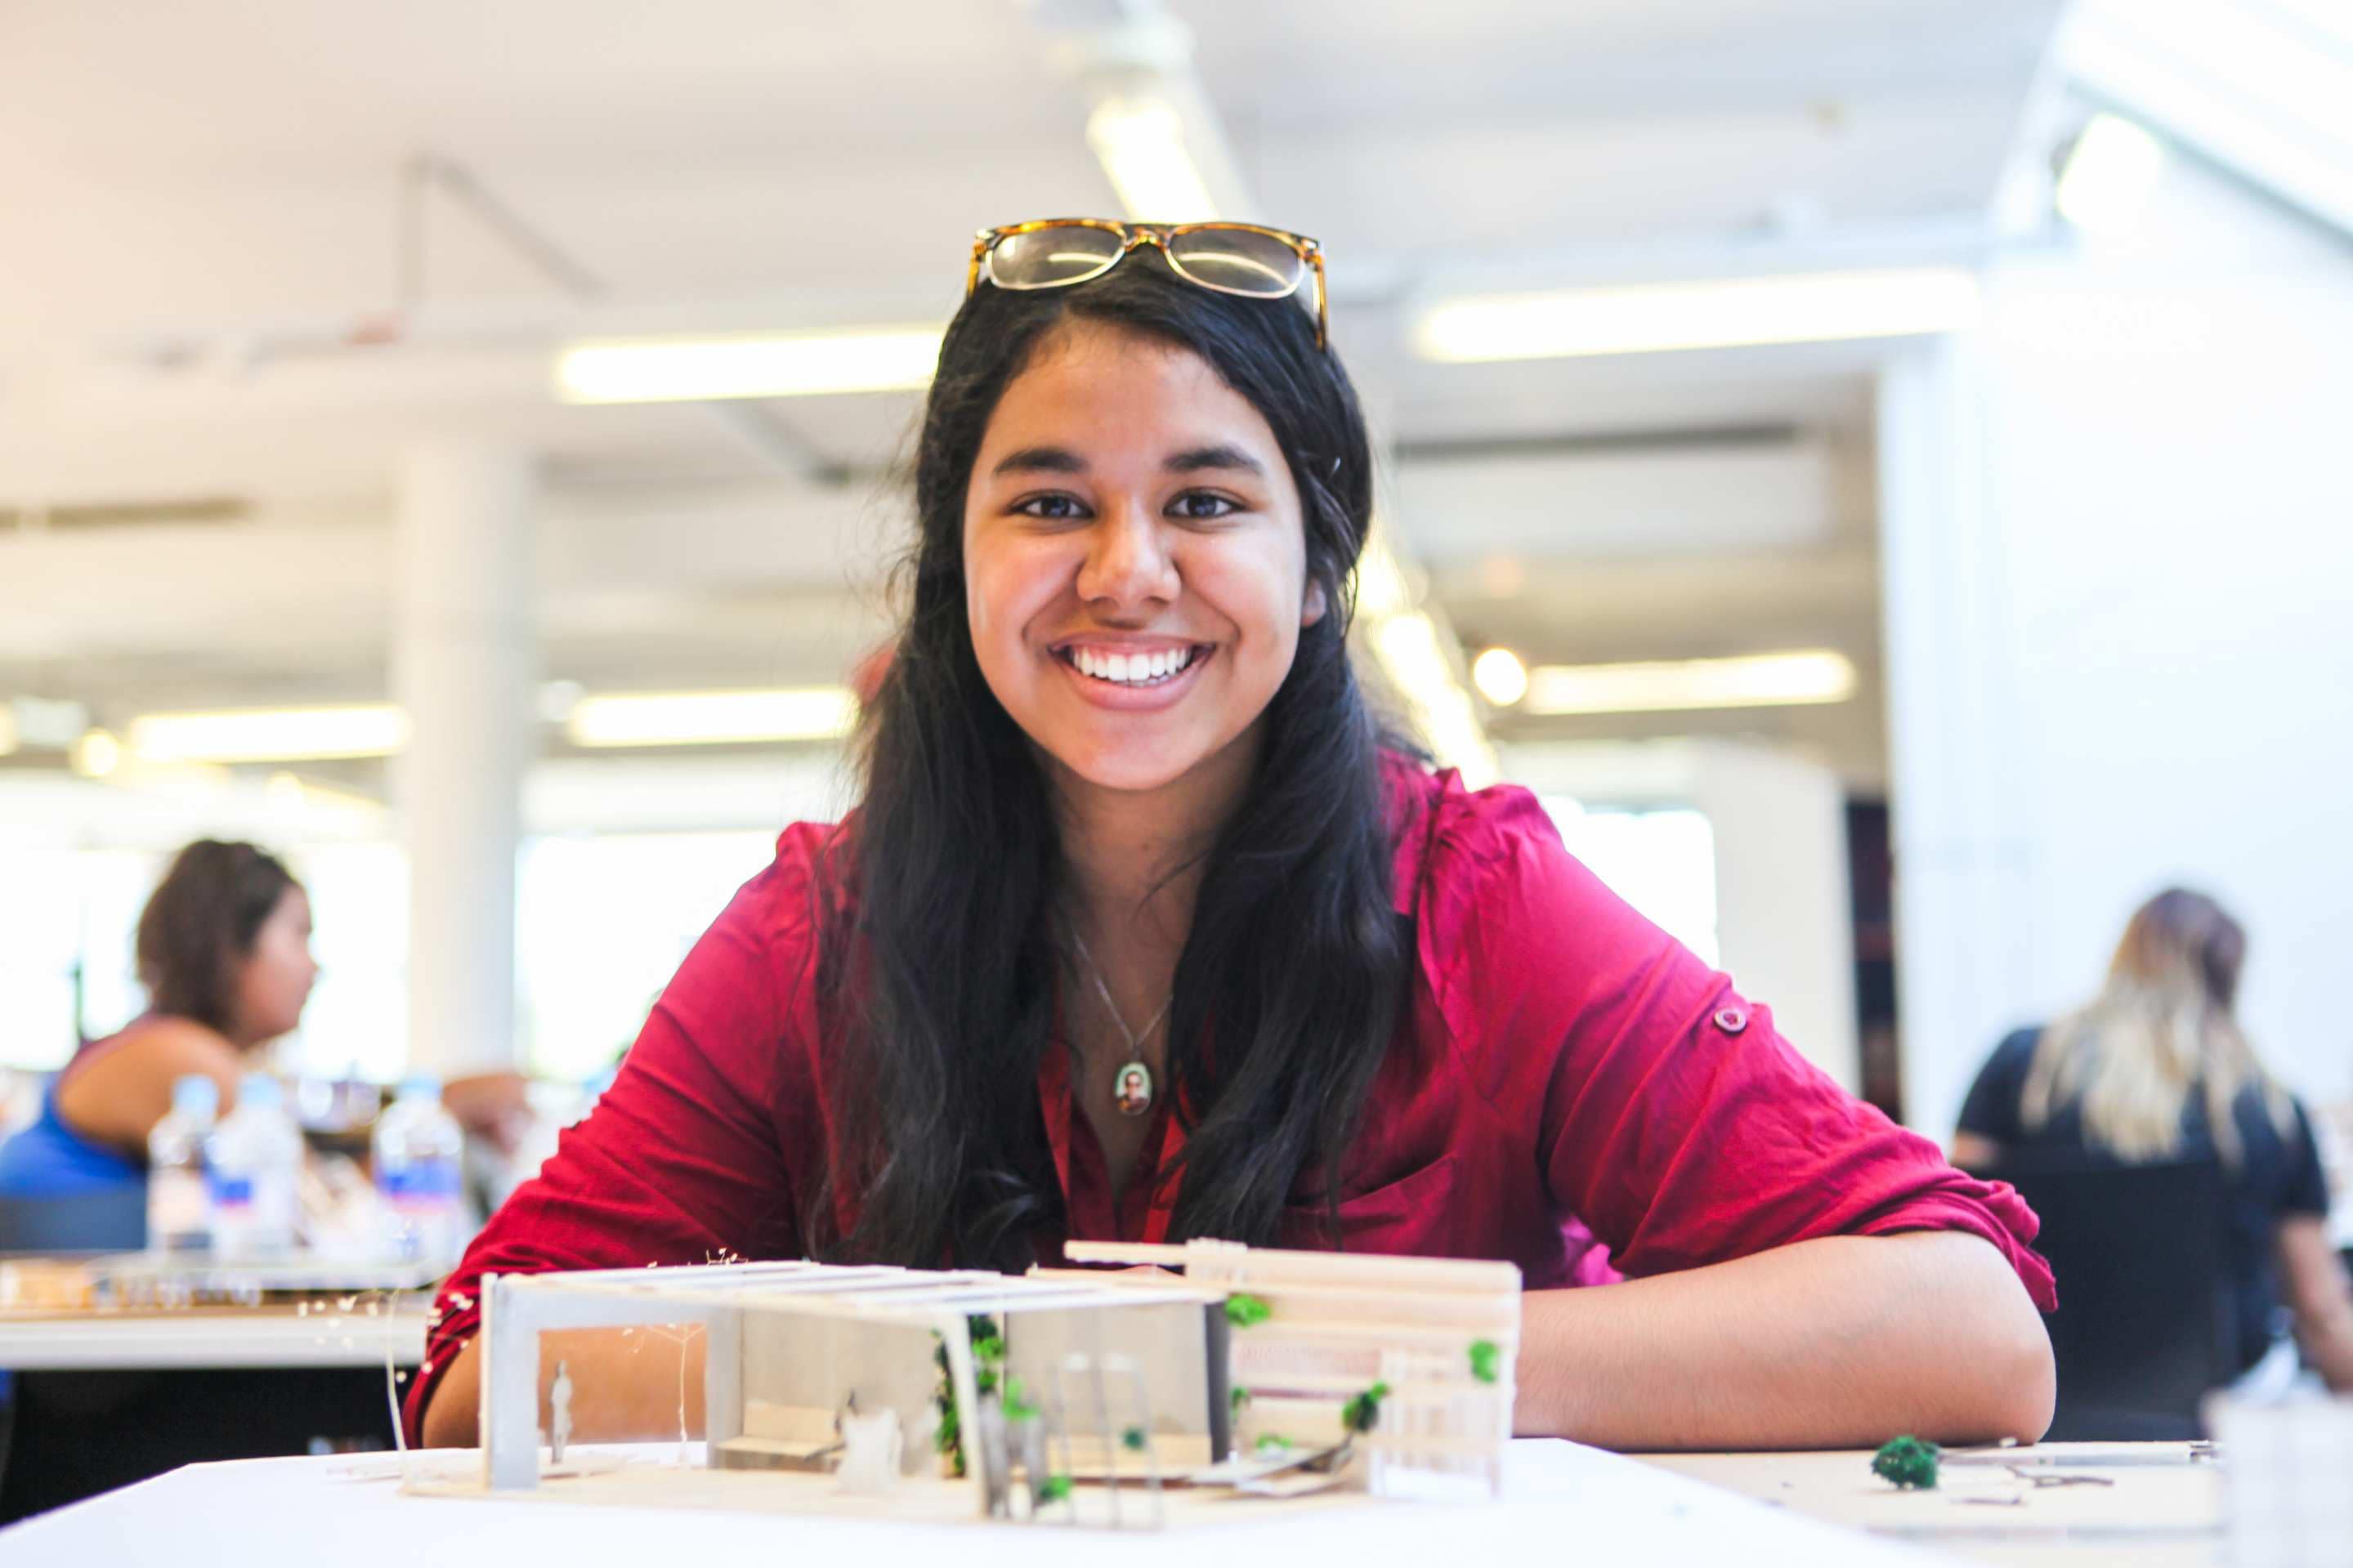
(1785, 913)
(2120, 547)
(1783, 919)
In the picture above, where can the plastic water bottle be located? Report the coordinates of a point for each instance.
(256, 1156)
(420, 1153)
(179, 1210)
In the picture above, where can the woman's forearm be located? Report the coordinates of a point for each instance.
(627, 1383)
(1839, 1343)
(2320, 1295)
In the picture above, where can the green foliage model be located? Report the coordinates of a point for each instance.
(1907, 1461)
(1363, 1413)
(1247, 1312)
(987, 1365)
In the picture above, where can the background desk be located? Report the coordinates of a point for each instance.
(240, 1337)
(106, 1399)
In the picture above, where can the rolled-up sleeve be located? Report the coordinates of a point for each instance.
(1676, 1121)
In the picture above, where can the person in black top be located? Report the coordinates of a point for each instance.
(2155, 1067)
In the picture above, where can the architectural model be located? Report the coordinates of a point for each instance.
(1079, 1395)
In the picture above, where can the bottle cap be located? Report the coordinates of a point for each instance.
(196, 1097)
(420, 1086)
(259, 1089)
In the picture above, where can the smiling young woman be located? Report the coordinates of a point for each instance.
(1144, 927)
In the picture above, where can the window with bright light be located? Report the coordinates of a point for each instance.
(38, 944)
(1660, 861)
(356, 1025)
(602, 924)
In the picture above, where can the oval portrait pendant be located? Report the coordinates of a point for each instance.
(1131, 1088)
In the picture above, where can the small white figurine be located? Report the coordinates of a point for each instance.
(559, 1401)
(871, 1446)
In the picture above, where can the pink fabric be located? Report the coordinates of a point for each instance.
(1572, 1090)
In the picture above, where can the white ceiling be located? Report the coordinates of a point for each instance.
(235, 160)
(220, 175)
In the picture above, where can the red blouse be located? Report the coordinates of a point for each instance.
(1567, 1072)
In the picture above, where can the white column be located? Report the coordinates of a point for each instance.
(465, 663)
(1784, 914)
(1964, 907)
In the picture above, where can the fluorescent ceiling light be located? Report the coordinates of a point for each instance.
(1141, 144)
(1723, 312)
(95, 755)
(679, 370)
(1381, 587)
(1450, 724)
(269, 734)
(714, 718)
(2110, 175)
(1412, 655)
(286, 793)
(1756, 680)
(1500, 676)
(2261, 86)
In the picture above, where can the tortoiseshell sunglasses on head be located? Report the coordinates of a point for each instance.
(1230, 258)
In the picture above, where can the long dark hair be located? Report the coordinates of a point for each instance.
(201, 918)
(938, 988)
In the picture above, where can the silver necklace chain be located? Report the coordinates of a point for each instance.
(1134, 1040)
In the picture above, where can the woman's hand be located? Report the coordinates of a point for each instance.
(491, 1106)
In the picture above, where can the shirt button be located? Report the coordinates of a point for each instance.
(1731, 1020)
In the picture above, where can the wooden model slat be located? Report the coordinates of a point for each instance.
(1473, 1310)
(771, 1422)
(1410, 1390)
(1375, 1334)
(923, 1307)
(699, 1280)
(1418, 1444)
(1269, 1266)
(1475, 1316)
(876, 1291)
(1090, 1459)
(779, 1447)
(1306, 1423)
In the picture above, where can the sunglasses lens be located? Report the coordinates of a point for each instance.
(1042, 258)
(1237, 262)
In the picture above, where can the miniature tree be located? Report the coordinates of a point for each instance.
(1907, 1461)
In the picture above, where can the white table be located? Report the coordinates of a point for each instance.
(2131, 1505)
(254, 1337)
(1568, 1504)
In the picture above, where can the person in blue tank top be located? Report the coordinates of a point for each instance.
(224, 951)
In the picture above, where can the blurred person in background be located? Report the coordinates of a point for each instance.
(223, 952)
(2156, 1068)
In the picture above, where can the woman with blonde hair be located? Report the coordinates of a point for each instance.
(2155, 1068)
